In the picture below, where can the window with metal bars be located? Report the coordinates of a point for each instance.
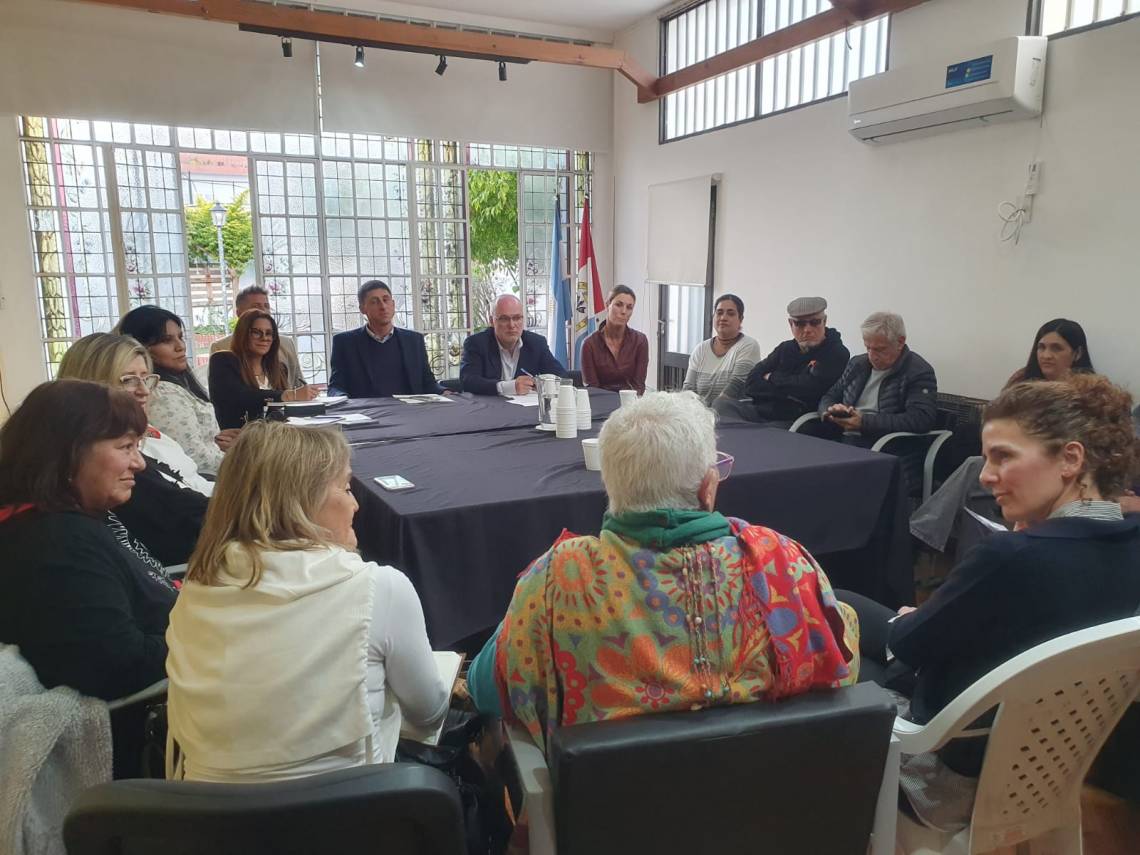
(811, 72)
(106, 202)
(1058, 16)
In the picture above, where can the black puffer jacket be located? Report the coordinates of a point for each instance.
(797, 378)
(907, 398)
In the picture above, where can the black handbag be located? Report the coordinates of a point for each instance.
(487, 826)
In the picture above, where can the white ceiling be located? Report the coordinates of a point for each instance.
(593, 17)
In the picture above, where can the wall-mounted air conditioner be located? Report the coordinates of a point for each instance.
(992, 83)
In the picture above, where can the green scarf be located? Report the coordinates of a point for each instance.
(667, 528)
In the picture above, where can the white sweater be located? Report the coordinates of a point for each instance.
(711, 376)
(189, 420)
(296, 676)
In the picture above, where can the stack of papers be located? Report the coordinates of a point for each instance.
(423, 399)
(530, 400)
(321, 421)
(328, 401)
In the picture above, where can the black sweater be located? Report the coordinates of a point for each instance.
(84, 612)
(235, 401)
(797, 379)
(164, 515)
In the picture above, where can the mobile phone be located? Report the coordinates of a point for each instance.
(393, 482)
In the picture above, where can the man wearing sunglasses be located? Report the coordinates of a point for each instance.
(794, 376)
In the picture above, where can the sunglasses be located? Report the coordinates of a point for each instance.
(134, 381)
(256, 333)
(800, 323)
(723, 465)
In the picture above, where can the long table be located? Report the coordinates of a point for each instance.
(486, 504)
(464, 413)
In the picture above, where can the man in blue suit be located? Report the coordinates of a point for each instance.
(380, 360)
(502, 359)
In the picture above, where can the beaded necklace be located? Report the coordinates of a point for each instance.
(694, 563)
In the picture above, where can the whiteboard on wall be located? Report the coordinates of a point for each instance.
(678, 244)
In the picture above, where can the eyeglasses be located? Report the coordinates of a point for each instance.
(135, 381)
(509, 319)
(256, 333)
(800, 323)
(723, 465)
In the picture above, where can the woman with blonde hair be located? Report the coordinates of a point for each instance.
(251, 372)
(289, 654)
(161, 520)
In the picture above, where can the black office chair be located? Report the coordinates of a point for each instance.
(797, 776)
(395, 808)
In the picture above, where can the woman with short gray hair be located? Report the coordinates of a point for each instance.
(672, 606)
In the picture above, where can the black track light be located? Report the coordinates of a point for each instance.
(442, 67)
(502, 71)
(287, 48)
(359, 61)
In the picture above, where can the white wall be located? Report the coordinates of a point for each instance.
(912, 227)
(520, 112)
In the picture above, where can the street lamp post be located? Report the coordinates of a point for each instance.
(218, 214)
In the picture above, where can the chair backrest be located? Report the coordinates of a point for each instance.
(795, 776)
(402, 809)
(1057, 704)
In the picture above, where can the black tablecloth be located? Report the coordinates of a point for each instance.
(464, 413)
(487, 504)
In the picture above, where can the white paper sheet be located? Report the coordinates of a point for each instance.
(448, 663)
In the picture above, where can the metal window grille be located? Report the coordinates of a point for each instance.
(106, 206)
(1057, 16)
(808, 73)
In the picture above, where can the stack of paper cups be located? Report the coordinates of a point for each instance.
(585, 417)
(565, 413)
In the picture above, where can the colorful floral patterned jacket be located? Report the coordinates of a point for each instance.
(607, 627)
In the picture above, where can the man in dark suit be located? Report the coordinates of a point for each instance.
(379, 359)
(502, 359)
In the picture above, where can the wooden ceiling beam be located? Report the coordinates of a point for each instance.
(370, 32)
(323, 25)
(834, 20)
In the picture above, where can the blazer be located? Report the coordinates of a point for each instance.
(481, 367)
(350, 369)
(1014, 591)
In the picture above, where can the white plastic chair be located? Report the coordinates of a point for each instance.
(1056, 704)
(154, 690)
(939, 438)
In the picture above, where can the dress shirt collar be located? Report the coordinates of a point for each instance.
(375, 337)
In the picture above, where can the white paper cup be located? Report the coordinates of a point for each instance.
(585, 417)
(627, 396)
(592, 455)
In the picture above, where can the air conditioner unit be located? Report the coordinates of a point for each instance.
(993, 83)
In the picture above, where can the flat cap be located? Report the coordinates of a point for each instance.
(803, 306)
